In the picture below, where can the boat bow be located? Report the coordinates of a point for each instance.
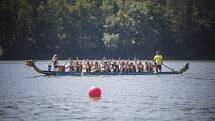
(31, 63)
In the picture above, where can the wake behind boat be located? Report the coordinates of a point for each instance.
(31, 63)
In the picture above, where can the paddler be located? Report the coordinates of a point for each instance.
(123, 67)
(140, 67)
(158, 61)
(88, 67)
(132, 67)
(115, 67)
(78, 66)
(71, 65)
(149, 66)
(97, 67)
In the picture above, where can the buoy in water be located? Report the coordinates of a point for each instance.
(94, 92)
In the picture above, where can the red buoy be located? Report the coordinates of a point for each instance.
(94, 92)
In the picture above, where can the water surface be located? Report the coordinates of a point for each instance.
(26, 95)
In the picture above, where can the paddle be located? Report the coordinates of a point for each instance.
(169, 68)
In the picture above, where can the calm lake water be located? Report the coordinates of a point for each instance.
(26, 95)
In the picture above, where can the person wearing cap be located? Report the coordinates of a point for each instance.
(158, 61)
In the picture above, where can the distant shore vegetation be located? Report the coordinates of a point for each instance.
(180, 29)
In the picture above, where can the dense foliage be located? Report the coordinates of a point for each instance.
(181, 29)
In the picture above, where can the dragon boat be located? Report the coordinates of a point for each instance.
(31, 63)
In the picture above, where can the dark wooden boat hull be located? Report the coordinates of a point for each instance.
(105, 73)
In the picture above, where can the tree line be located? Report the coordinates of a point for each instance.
(180, 29)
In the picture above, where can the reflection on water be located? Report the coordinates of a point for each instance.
(26, 95)
(95, 98)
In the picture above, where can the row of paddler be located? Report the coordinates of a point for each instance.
(102, 65)
(105, 65)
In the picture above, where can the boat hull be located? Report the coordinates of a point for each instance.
(32, 64)
(106, 73)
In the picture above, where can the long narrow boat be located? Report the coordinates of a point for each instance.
(32, 64)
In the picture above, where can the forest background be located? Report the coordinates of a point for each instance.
(180, 29)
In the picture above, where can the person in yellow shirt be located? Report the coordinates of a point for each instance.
(158, 61)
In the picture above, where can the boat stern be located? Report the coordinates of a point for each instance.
(185, 68)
